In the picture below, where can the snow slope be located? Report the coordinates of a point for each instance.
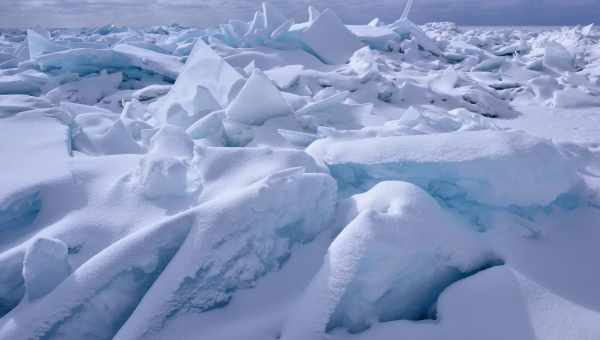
(274, 179)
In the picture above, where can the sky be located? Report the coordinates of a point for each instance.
(203, 13)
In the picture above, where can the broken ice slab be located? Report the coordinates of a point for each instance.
(82, 60)
(39, 44)
(376, 37)
(164, 64)
(245, 108)
(497, 168)
(151, 92)
(558, 58)
(87, 90)
(15, 103)
(406, 28)
(489, 65)
(323, 102)
(328, 39)
(206, 83)
(98, 133)
(486, 104)
(297, 138)
(574, 98)
(210, 128)
(285, 76)
(171, 140)
(30, 82)
(272, 17)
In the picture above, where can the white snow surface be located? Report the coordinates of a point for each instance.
(272, 179)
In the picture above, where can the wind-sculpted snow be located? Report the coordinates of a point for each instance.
(390, 262)
(283, 179)
(237, 238)
(103, 292)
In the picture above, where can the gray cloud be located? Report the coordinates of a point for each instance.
(69, 13)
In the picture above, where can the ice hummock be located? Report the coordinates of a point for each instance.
(276, 178)
(340, 42)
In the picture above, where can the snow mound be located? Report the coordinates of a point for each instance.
(15, 103)
(162, 176)
(98, 133)
(45, 266)
(491, 167)
(237, 239)
(100, 295)
(391, 262)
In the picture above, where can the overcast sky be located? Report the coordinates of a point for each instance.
(69, 13)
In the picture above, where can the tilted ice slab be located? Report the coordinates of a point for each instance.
(257, 101)
(558, 58)
(328, 39)
(237, 238)
(498, 168)
(82, 60)
(87, 60)
(377, 37)
(39, 44)
(21, 83)
(390, 263)
(206, 83)
(11, 104)
(160, 63)
(405, 27)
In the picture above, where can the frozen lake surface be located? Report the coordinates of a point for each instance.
(274, 179)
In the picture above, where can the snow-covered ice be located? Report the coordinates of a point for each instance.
(284, 179)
